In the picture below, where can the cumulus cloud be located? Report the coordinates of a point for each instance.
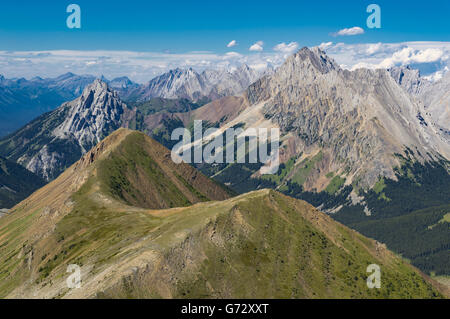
(232, 44)
(258, 46)
(374, 48)
(349, 31)
(286, 48)
(409, 55)
(325, 45)
(233, 55)
(431, 58)
(428, 57)
(138, 66)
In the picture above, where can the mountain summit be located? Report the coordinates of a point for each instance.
(92, 116)
(52, 142)
(357, 120)
(194, 86)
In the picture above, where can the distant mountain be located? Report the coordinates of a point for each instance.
(409, 79)
(434, 96)
(340, 127)
(354, 144)
(122, 85)
(124, 214)
(55, 140)
(188, 84)
(16, 183)
(436, 99)
(23, 100)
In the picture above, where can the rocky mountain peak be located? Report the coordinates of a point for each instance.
(316, 57)
(97, 86)
(357, 116)
(121, 83)
(65, 76)
(92, 116)
(245, 67)
(302, 68)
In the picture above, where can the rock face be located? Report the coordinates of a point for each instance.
(121, 83)
(188, 84)
(23, 100)
(92, 116)
(409, 79)
(54, 141)
(436, 100)
(358, 119)
(434, 97)
(3, 212)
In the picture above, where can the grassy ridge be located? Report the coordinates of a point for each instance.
(140, 173)
(258, 245)
(266, 245)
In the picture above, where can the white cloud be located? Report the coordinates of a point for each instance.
(374, 48)
(233, 55)
(325, 45)
(138, 66)
(258, 46)
(143, 66)
(286, 48)
(428, 57)
(435, 76)
(259, 66)
(409, 55)
(349, 31)
(232, 44)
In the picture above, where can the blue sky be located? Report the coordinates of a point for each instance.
(181, 26)
(142, 39)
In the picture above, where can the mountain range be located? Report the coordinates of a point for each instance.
(189, 84)
(55, 140)
(434, 97)
(23, 100)
(355, 144)
(336, 124)
(359, 145)
(141, 226)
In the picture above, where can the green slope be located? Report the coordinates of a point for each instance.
(258, 245)
(409, 215)
(402, 210)
(140, 172)
(266, 245)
